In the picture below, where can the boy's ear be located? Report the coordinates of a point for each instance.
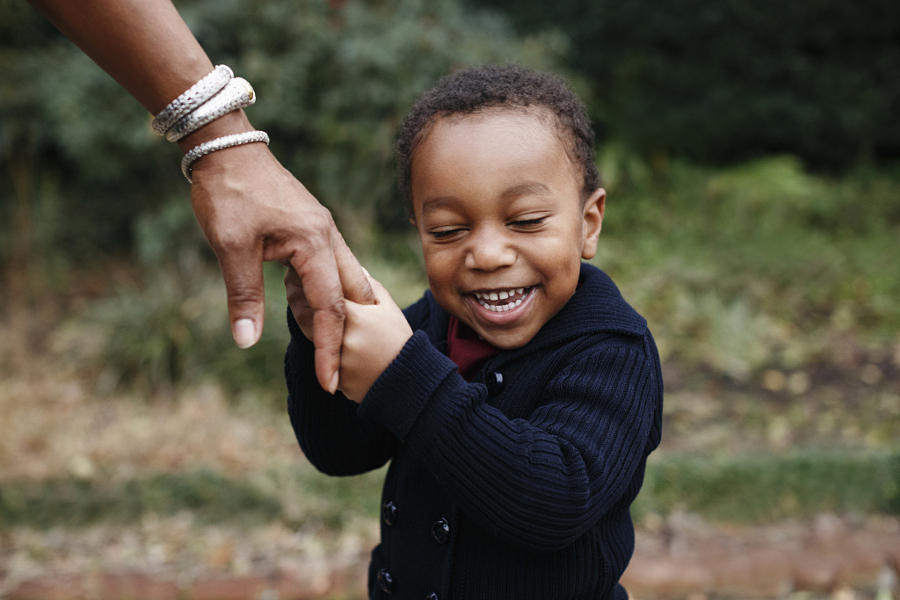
(413, 222)
(593, 211)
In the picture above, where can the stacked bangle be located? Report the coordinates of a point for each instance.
(221, 143)
(237, 94)
(196, 95)
(217, 94)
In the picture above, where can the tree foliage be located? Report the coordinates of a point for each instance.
(81, 174)
(79, 162)
(718, 81)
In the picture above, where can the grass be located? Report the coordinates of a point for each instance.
(77, 502)
(754, 266)
(757, 489)
(766, 488)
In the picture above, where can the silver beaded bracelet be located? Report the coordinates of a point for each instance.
(238, 93)
(228, 141)
(196, 95)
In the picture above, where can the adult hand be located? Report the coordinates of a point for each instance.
(253, 210)
(250, 208)
(296, 297)
(374, 334)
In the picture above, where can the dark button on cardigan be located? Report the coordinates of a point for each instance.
(389, 512)
(440, 531)
(386, 581)
(494, 382)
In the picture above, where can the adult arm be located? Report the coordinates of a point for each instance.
(251, 208)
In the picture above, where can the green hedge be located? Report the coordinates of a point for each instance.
(78, 162)
(718, 80)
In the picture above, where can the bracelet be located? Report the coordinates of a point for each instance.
(238, 93)
(196, 95)
(228, 141)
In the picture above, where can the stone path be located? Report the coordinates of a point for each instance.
(687, 558)
(681, 557)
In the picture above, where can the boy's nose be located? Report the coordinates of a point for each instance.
(489, 251)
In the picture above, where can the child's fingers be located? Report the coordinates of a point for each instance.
(381, 293)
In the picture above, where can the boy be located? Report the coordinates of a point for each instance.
(519, 415)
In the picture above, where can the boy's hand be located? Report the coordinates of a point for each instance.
(374, 334)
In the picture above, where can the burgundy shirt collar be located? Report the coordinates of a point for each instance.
(466, 349)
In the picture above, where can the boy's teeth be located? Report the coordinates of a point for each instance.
(482, 300)
(502, 307)
(485, 297)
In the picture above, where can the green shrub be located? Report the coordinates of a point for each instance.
(724, 81)
(755, 265)
(173, 329)
(332, 81)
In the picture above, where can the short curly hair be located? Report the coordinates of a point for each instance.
(478, 89)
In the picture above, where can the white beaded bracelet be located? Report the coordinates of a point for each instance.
(238, 93)
(196, 95)
(228, 141)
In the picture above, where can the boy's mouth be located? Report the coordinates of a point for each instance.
(502, 300)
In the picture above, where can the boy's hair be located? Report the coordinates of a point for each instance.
(494, 86)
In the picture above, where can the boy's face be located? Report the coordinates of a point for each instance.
(497, 203)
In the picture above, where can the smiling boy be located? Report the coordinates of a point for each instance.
(519, 399)
(499, 208)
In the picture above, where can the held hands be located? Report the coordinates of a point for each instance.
(374, 334)
(253, 210)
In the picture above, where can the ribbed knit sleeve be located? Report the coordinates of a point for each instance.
(538, 483)
(331, 434)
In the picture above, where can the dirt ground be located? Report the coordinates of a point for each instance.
(56, 426)
(679, 557)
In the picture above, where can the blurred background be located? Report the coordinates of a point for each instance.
(751, 151)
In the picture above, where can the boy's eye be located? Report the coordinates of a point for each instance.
(529, 222)
(445, 233)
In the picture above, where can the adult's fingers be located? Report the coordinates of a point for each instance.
(242, 268)
(322, 286)
(354, 279)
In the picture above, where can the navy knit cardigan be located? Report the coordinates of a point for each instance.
(516, 485)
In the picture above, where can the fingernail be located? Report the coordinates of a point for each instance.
(332, 387)
(244, 332)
